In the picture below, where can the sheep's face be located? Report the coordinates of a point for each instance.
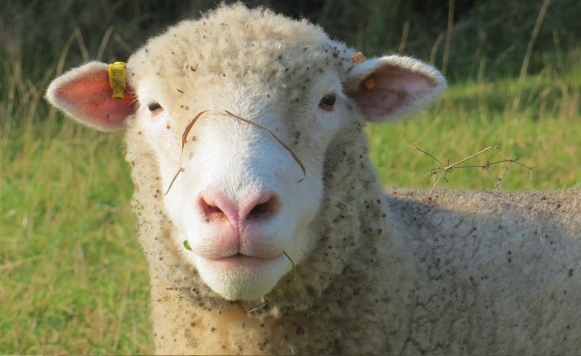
(241, 200)
(269, 95)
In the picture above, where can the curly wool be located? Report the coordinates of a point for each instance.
(498, 273)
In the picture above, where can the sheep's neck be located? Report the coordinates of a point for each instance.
(183, 325)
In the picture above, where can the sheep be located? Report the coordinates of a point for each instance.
(263, 220)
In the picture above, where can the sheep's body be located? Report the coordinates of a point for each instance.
(498, 273)
(413, 280)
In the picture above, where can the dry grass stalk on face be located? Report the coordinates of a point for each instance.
(226, 112)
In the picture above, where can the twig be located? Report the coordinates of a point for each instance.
(449, 168)
(417, 148)
(264, 303)
(292, 262)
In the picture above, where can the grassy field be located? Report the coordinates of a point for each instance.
(535, 119)
(72, 277)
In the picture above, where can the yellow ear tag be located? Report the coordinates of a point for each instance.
(117, 79)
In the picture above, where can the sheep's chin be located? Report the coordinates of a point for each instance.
(242, 277)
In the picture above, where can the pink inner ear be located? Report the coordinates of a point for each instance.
(395, 91)
(89, 99)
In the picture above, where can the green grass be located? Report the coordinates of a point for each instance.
(536, 119)
(72, 277)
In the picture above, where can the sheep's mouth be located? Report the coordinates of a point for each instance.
(242, 256)
(240, 260)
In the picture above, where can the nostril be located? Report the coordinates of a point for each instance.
(258, 210)
(219, 208)
(214, 212)
(265, 208)
(211, 210)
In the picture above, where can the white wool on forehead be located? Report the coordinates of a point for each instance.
(250, 47)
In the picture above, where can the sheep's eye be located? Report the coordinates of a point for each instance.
(328, 102)
(155, 108)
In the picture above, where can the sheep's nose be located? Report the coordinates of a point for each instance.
(217, 207)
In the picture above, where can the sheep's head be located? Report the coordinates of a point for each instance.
(242, 201)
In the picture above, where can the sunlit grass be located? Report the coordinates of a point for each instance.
(72, 277)
(535, 120)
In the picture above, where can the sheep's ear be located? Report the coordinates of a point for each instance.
(85, 95)
(393, 87)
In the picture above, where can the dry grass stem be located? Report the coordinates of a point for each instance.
(226, 112)
(432, 172)
(294, 268)
(264, 303)
(448, 37)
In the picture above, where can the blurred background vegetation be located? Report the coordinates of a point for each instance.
(493, 34)
(72, 276)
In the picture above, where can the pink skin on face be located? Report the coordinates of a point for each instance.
(238, 227)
